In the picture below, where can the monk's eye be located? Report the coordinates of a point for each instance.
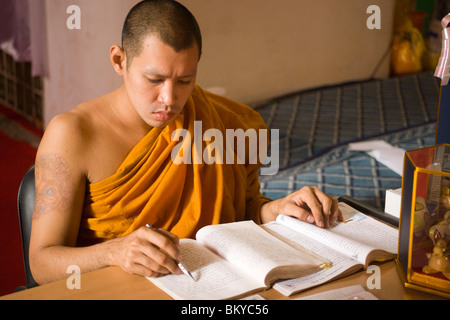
(155, 81)
(184, 82)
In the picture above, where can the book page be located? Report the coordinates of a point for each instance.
(251, 248)
(356, 292)
(357, 237)
(215, 277)
(341, 264)
(367, 230)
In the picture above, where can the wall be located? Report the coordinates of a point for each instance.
(256, 49)
(79, 67)
(253, 49)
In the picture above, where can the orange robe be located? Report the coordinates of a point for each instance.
(149, 187)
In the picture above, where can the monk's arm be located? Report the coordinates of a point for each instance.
(60, 180)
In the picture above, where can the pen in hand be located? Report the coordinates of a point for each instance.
(180, 264)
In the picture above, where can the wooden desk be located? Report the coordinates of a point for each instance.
(113, 283)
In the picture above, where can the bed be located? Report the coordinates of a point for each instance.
(316, 127)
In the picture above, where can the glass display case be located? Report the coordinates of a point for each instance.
(424, 237)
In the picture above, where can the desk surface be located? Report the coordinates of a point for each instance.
(113, 283)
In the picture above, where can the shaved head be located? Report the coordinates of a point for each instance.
(169, 20)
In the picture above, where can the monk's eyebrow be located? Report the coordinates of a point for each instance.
(157, 73)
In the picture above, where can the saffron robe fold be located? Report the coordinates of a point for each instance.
(149, 187)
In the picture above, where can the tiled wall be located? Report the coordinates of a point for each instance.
(19, 90)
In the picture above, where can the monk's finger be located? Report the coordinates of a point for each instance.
(330, 207)
(157, 260)
(327, 206)
(306, 197)
(293, 210)
(170, 235)
(336, 214)
(165, 241)
(150, 264)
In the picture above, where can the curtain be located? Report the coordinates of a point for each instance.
(22, 32)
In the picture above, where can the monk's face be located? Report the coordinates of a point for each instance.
(160, 80)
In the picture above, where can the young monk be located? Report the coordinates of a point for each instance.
(105, 169)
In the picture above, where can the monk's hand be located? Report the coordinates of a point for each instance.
(148, 252)
(311, 205)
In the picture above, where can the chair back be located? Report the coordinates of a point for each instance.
(25, 206)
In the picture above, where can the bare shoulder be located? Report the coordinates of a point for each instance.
(64, 131)
(89, 138)
(68, 136)
(66, 126)
(74, 125)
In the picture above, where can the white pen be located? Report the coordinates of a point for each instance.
(180, 264)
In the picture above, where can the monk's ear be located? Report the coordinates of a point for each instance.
(118, 59)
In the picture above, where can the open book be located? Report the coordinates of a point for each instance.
(234, 259)
(350, 245)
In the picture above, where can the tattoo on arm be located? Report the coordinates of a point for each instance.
(54, 185)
